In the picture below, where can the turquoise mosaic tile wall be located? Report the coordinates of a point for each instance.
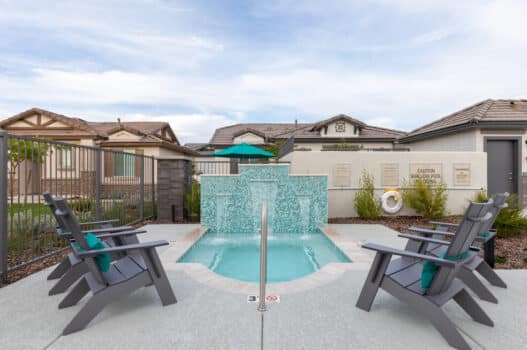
(232, 204)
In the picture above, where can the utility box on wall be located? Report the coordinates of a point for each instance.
(174, 178)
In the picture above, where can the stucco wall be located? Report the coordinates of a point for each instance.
(249, 138)
(460, 142)
(340, 199)
(318, 146)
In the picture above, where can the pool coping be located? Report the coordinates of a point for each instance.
(328, 273)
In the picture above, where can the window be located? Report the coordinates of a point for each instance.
(66, 157)
(124, 163)
(340, 126)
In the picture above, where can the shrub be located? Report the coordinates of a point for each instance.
(481, 196)
(426, 198)
(82, 205)
(510, 220)
(192, 203)
(366, 205)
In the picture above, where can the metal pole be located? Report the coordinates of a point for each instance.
(98, 184)
(154, 181)
(142, 189)
(3, 206)
(263, 258)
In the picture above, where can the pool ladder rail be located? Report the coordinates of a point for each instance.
(263, 258)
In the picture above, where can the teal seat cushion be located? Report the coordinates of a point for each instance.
(485, 234)
(430, 268)
(103, 260)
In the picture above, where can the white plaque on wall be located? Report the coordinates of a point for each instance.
(429, 171)
(390, 174)
(462, 174)
(342, 175)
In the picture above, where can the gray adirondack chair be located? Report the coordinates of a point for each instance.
(72, 268)
(140, 267)
(467, 273)
(401, 277)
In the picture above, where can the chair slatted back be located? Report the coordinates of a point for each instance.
(50, 202)
(72, 225)
(500, 202)
(475, 217)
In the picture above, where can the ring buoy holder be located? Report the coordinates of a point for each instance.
(395, 196)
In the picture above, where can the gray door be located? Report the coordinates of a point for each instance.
(501, 166)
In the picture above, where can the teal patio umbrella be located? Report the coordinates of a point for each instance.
(243, 150)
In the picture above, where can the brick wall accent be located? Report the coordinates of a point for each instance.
(173, 181)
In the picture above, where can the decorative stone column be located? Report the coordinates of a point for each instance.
(174, 179)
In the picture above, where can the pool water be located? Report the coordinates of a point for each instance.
(290, 256)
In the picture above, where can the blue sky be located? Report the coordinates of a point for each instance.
(204, 64)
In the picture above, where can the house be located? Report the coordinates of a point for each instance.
(339, 131)
(132, 140)
(497, 127)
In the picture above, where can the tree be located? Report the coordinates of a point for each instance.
(20, 150)
(273, 147)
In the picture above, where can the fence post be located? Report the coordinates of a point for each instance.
(3, 206)
(153, 197)
(98, 184)
(142, 189)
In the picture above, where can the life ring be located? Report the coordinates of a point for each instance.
(397, 199)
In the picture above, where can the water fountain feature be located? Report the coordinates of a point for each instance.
(231, 207)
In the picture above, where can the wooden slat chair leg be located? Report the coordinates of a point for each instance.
(60, 269)
(77, 293)
(373, 281)
(99, 300)
(490, 275)
(69, 278)
(472, 308)
(431, 311)
(159, 277)
(474, 283)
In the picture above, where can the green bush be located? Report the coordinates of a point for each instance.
(426, 198)
(510, 220)
(366, 205)
(192, 203)
(82, 205)
(481, 196)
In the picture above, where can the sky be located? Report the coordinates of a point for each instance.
(200, 65)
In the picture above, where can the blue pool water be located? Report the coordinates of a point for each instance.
(290, 256)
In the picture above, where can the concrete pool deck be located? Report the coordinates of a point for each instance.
(323, 317)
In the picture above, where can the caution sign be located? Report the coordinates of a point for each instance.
(269, 298)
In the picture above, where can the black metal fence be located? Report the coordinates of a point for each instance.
(98, 183)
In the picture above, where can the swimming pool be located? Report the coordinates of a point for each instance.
(290, 256)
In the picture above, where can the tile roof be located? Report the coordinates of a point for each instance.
(225, 135)
(484, 111)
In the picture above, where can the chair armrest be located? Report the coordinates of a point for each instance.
(113, 221)
(103, 234)
(431, 232)
(119, 234)
(109, 229)
(387, 250)
(424, 239)
(121, 248)
(439, 223)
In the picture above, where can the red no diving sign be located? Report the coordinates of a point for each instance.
(270, 298)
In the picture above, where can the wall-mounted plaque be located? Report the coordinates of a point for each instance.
(462, 175)
(342, 175)
(390, 174)
(429, 171)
